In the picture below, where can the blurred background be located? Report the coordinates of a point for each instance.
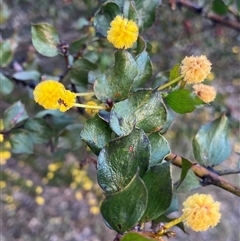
(45, 195)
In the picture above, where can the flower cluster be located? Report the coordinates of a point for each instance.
(195, 69)
(205, 92)
(52, 95)
(200, 212)
(123, 33)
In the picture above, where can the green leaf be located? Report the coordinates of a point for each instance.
(219, 7)
(211, 144)
(141, 45)
(96, 133)
(4, 12)
(159, 148)
(27, 75)
(45, 39)
(131, 236)
(6, 53)
(183, 101)
(174, 205)
(117, 82)
(69, 139)
(14, 115)
(104, 16)
(144, 70)
(186, 166)
(78, 45)
(174, 73)
(129, 11)
(122, 210)
(79, 71)
(121, 158)
(158, 181)
(38, 129)
(189, 183)
(143, 109)
(6, 86)
(21, 142)
(146, 12)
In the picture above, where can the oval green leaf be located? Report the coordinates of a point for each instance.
(158, 181)
(21, 142)
(117, 81)
(6, 85)
(96, 133)
(211, 144)
(14, 115)
(45, 39)
(143, 109)
(183, 101)
(159, 148)
(121, 158)
(123, 210)
(131, 236)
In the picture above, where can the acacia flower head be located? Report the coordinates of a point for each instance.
(123, 33)
(195, 69)
(201, 212)
(205, 92)
(89, 110)
(52, 95)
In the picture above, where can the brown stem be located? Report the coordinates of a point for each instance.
(203, 173)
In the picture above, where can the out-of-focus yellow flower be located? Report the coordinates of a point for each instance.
(39, 200)
(78, 196)
(4, 156)
(205, 92)
(91, 112)
(39, 190)
(94, 210)
(3, 184)
(201, 212)
(123, 33)
(29, 183)
(195, 69)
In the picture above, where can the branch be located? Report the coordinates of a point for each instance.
(211, 16)
(205, 174)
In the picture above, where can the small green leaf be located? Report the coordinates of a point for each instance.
(6, 53)
(4, 12)
(131, 236)
(14, 115)
(6, 86)
(69, 139)
(79, 71)
(144, 70)
(183, 101)
(146, 12)
(129, 11)
(78, 45)
(21, 142)
(38, 129)
(104, 16)
(143, 109)
(158, 181)
(159, 148)
(174, 73)
(121, 158)
(186, 165)
(96, 133)
(122, 210)
(27, 75)
(189, 183)
(45, 39)
(141, 45)
(211, 144)
(117, 82)
(219, 7)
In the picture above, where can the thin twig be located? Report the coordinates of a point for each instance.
(205, 174)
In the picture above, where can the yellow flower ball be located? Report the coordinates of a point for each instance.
(67, 101)
(195, 69)
(47, 94)
(123, 33)
(201, 212)
(90, 111)
(205, 92)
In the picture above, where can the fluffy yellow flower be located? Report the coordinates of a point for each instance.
(47, 94)
(200, 212)
(205, 92)
(91, 111)
(52, 95)
(123, 33)
(195, 69)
